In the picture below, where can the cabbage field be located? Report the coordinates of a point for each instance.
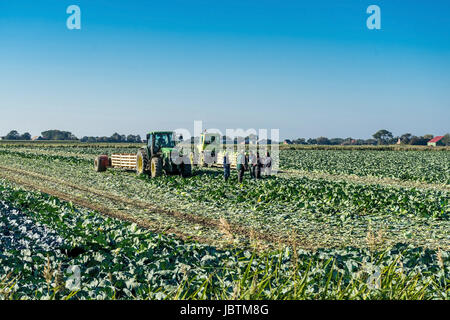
(333, 224)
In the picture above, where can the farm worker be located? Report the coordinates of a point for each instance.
(268, 164)
(246, 161)
(253, 163)
(257, 167)
(226, 167)
(240, 166)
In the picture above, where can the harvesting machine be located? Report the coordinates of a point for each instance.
(210, 150)
(160, 155)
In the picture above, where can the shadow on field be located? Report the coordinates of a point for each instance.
(218, 172)
(207, 172)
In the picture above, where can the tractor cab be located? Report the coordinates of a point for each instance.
(209, 142)
(208, 148)
(160, 142)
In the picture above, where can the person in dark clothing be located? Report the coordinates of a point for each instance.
(252, 164)
(240, 166)
(226, 167)
(257, 167)
(246, 161)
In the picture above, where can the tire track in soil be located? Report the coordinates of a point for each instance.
(102, 209)
(16, 175)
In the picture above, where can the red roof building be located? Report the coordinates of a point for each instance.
(436, 141)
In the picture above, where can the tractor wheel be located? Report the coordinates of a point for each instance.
(186, 170)
(100, 163)
(156, 167)
(142, 162)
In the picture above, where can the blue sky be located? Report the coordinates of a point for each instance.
(309, 68)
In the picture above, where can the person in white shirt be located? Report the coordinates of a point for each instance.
(268, 165)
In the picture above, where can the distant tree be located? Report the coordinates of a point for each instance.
(371, 142)
(323, 140)
(393, 140)
(405, 138)
(299, 141)
(133, 139)
(418, 141)
(336, 141)
(383, 136)
(25, 136)
(116, 137)
(58, 135)
(446, 139)
(428, 136)
(347, 141)
(311, 141)
(359, 142)
(12, 135)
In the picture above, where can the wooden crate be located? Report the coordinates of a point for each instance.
(232, 157)
(124, 160)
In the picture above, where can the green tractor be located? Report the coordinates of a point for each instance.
(161, 155)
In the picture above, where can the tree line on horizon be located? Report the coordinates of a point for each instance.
(114, 138)
(68, 136)
(381, 137)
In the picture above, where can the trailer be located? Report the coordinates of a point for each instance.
(127, 161)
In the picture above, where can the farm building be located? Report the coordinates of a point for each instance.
(436, 141)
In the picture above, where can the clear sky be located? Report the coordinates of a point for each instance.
(309, 68)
